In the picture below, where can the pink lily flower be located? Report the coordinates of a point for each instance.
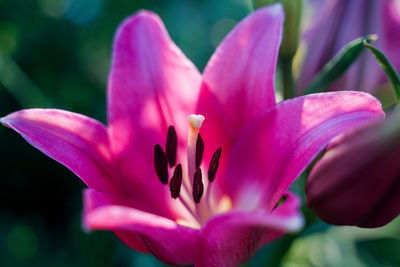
(340, 22)
(163, 189)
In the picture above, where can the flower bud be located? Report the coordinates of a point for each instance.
(291, 28)
(357, 181)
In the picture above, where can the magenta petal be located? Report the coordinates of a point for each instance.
(233, 238)
(167, 240)
(284, 140)
(152, 85)
(76, 141)
(93, 200)
(239, 78)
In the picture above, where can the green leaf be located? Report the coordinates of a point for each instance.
(386, 66)
(338, 65)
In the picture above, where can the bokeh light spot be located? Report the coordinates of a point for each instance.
(22, 242)
(82, 11)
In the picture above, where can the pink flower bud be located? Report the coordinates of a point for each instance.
(357, 181)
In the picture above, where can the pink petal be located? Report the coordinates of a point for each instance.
(76, 141)
(93, 200)
(170, 242)
(152, 85)
(233, 238)
(273, 151)
(239, 78)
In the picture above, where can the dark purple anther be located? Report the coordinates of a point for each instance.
(199, 150)
(161, 164)
(170, 147)
(198, 187)
(214, 164)
(176, 182)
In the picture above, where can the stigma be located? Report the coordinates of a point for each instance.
(196, 121)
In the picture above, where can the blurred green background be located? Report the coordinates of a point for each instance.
(56, 53)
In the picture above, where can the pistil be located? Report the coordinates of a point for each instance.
(195, 122)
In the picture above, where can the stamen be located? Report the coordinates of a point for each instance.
(198, 187)
(199, 150)
(161, 164)
(176, 182)
(214, 164)
(195, 122)
(170, 147)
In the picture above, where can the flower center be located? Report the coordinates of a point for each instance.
(188, 186)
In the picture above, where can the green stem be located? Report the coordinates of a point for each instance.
(287, 76)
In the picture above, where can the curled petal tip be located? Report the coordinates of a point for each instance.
(6, 119)
(144, 14)
(11, 118)
(274, 10)
(277, 8)
(141, 16)
(3, 121)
